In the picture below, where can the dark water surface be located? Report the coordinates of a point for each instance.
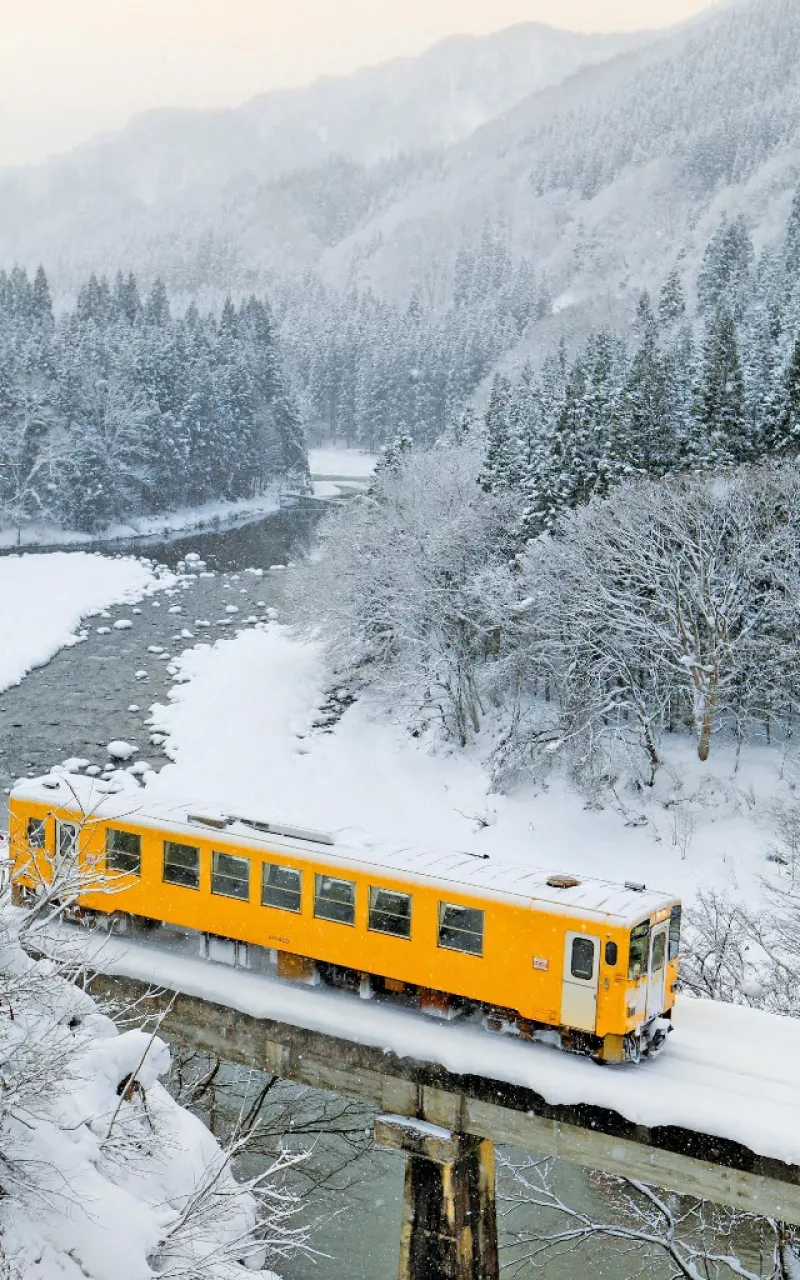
(263, 540)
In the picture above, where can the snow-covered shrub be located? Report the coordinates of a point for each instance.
(406, 587)
(719, 939)
(744, 954)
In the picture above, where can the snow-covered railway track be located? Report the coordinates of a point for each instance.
(716, 1114)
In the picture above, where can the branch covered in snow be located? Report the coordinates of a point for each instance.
(692, 1238)
(103, 1176)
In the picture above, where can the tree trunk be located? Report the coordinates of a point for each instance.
(709, 708)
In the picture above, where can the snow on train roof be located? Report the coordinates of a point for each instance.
(124, 801)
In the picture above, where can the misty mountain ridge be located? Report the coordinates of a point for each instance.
(616, 167)
(191, 193)
(612, 178)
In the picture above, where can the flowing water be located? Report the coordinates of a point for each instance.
(80, 701)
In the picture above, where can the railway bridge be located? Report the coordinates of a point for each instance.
(717, 1115)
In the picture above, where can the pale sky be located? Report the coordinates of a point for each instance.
(70, 68)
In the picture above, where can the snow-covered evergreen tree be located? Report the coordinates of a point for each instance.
(722, 408)
(121, 408)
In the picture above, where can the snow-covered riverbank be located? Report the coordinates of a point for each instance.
(43, 599)
(220, 515)
(335, 473)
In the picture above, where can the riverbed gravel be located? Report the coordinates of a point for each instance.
(101, 690)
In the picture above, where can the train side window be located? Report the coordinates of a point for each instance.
(124, 852)
(461, 928)
(181, 864)
(281, 887)
(230, 876)
(612, 954)
(67, 837)
(674, 932)
(334, 899)
(639, 953)
(37, 833)
(390, 912)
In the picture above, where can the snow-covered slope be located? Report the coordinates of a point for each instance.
(609, 178)
(194, 194)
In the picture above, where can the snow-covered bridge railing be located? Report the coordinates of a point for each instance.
(717, 1115)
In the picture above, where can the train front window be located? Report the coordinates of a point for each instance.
(461, 928)
(390, 912)
(281, 888)
(37, 833)
(674, 932)
(639, 951)
(230, 876)
(181, 865)
(124, 852)
(334, 899)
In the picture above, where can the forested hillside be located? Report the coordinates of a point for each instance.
(525, 246)
(365, 369)
(404, 271)
(616, 173)
(603, 187)
(611, 556)
(677, 397)
(702, 376)
(119, 408)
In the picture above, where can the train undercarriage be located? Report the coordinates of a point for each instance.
(646, 1042)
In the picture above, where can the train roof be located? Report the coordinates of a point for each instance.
(468, 872)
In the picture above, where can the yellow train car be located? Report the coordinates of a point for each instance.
(536, 951)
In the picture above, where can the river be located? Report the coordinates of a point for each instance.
(89, 695)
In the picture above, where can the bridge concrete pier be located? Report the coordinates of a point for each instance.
(449, 1229)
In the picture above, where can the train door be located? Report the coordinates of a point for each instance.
(657, 972)
(67, 836)
(581, 974)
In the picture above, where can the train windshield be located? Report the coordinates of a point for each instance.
(639, 953)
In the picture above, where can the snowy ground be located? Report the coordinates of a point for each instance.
(184, 519)
(340, 464)
(44, 597)
(240, 732)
